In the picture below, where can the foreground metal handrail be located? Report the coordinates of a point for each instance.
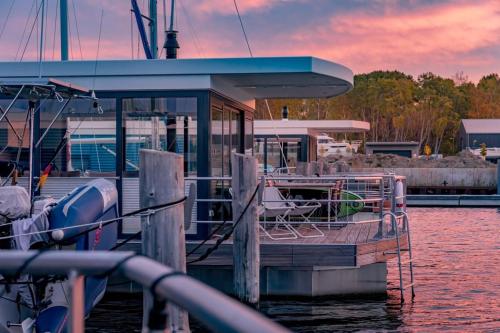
(217, 311)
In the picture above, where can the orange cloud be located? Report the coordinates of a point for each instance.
(437, 34)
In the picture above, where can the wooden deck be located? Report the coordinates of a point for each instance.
(352, 245)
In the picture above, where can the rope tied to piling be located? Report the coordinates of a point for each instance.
(225, 236)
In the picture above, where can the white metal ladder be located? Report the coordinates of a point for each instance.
(399, 250)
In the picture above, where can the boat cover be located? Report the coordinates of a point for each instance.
(14, 203)
(30, 231)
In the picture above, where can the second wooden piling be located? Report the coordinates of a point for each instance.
(246, 244)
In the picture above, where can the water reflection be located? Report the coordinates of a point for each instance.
(457, 262)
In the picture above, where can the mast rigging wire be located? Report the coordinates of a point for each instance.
(46, 30)
(131, 35)
(243, 28)
(31, 32)
(192, 29)
(55, 31)
(267, 103)
(98, 49)
(77, 29)
(42, 37)
(19, 47)
(7, 18)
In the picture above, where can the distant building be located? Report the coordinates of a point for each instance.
(405, 149)
(474, 132)
(283, 143)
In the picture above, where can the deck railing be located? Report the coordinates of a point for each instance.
(217, 311)
(376, 193)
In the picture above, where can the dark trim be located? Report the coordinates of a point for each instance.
(37, 156)
(120, 158)
(203, 162)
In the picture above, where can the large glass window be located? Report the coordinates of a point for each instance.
(14, 142)
(91, 131)
(78, 138)
(216, 142)
(168, 124)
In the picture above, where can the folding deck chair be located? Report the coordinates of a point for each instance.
(302, 214)
(274, 205)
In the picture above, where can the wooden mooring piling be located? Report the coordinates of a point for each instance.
(246, 245)
(161, 180)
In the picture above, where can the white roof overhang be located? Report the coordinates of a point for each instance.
(240, 78)
(309, 127)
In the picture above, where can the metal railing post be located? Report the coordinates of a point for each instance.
(77, 303)
(382, 200)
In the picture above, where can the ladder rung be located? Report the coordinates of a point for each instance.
(393, 288)
(404, 287)
(395, 252)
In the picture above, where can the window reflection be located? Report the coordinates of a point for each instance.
(167, 124)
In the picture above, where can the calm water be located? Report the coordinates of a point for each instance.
(457, 271)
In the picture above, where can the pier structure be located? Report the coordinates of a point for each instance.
(325, 253)
(341, 247)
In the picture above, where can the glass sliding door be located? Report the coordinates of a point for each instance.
(159, 123)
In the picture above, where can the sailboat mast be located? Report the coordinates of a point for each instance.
(153, 27)
(64, 28)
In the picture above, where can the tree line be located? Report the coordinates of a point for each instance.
(400, 108)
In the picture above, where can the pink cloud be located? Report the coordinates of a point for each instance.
(227, 6)
(443, 38)
(436, 34)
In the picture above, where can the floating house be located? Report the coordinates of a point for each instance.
(283, 143)
(201, 108)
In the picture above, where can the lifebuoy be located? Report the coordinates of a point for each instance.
(399, 193)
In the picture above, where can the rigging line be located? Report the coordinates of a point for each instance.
(164, 15)
(267, 103)
(42, 39)
(131, 35)
(55, 31)
(196, 40)
(242, 27)
(277, 135)
(47, 30)
(31, 32)
(95, 146)
(7, 18)
(146, 211)
(98, 48)
(37, 34)
(24, 30)
(77, 29)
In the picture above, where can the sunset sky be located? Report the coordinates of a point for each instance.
(413, 36)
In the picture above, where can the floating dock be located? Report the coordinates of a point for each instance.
(348, 260)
